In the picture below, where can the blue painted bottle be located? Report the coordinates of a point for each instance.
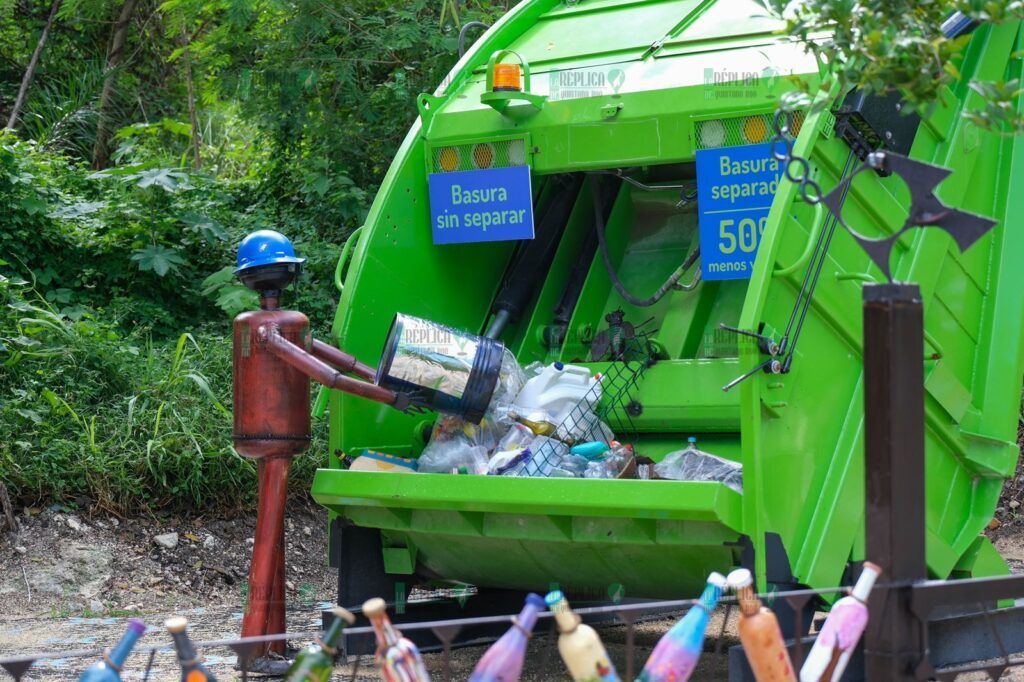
(675, 657)
(109, 668)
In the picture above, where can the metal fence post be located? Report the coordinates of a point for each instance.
(894, 474)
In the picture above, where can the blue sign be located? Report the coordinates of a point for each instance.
(489, 205)
(735, 190)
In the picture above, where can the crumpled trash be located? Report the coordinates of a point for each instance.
(612, 464)
(582, 427)
(547, 454)
(455, 442)
(692, 464)
(442, 456)
(503, 461)
(517, 437)
(511, 380)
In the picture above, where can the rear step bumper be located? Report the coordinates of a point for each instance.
(647, 538)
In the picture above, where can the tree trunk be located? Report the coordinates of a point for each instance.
(193, 116)
(33, 63)
(100, 150)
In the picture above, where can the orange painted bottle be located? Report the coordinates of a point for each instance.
(760, 633)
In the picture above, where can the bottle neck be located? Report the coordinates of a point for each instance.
(566, 620)
(866, 581)
(387, 636)
(709, 600)
(120, 652)
(183, 645)
(749, 603)
(527, 619)
(333, 635)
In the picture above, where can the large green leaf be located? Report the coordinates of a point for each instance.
(158, 259)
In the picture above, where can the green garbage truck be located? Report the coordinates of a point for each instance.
(619, 133)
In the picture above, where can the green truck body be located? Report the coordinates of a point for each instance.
(628, 84)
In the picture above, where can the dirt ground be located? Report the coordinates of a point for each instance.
(69, 582)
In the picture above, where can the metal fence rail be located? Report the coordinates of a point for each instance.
(444, 630)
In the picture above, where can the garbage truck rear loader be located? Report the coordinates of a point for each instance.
(628, 124)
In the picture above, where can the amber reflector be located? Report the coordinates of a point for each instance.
(755, 129)
(449, 159)
(483, 156)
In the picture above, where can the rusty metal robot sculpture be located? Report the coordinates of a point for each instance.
(275, 356)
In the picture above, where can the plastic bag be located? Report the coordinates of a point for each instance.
(692, 464)
(546, 454)
(510, 382)
(441, 456)
(517, 437)
(612, 464)
(504, 461)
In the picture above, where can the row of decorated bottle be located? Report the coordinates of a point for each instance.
(673, 659)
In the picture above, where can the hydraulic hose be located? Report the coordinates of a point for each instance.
(671, 283)
(465, 30)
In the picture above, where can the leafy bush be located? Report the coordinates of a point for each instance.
(118, 421)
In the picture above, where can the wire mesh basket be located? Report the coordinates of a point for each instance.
(630, 354)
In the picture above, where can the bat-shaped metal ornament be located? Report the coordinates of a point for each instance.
(926, 209)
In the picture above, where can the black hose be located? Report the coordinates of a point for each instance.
(465, 30)
(617, 283)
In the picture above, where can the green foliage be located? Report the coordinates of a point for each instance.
(118, 286)
(880, 45)
(117, 419)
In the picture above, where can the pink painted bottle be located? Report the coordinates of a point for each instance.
(838, 638)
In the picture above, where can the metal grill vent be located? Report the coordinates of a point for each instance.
(478, 155)
(742, 130)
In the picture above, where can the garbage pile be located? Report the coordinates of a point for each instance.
(541, 422)
(500, 419)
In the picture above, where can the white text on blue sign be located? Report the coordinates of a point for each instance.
(735, 190)
(489, 205)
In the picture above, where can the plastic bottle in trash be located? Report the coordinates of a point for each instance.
(759, 633)
(192, 668)
(579, 645)
(503, 662)
(108, 669)
(398, 659)
(315, 663)
(557, 390)
(842, 630)
(677, 652)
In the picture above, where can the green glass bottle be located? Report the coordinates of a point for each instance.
(192, 668)
(316, 662)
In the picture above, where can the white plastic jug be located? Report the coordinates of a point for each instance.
(557, 390)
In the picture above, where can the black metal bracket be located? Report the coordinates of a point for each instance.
(926, 209)
(767, 345)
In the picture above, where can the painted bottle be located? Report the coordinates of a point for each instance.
(315, 663)
(503, 662)
(760, 633)
(579, 645)
(677, 652)
(192, 668)
(838, 638)
(398, 659)
(108, 669)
